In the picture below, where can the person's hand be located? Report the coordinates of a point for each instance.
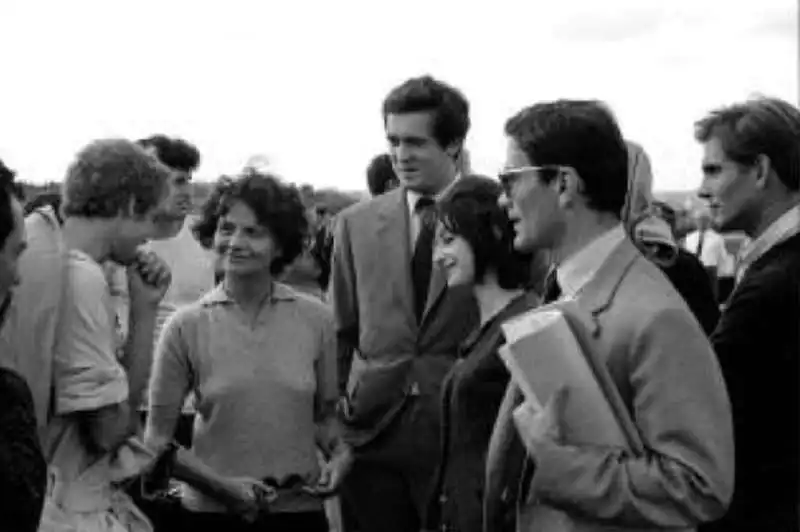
(249, 497)
(334, 471)
(535, 424)
(149, 278)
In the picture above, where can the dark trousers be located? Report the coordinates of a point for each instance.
(279, 522)
(380, 499)
(390, 484)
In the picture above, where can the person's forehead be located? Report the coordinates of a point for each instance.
(713, 151)
(515, 155)
(415, 124)
(239, 213)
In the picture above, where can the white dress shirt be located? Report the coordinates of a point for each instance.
(414, 222)
(574, 272)
(781, 229)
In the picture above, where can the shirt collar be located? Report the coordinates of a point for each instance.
(781, 229)
(220, 296)
(412, 196)
(576, 271)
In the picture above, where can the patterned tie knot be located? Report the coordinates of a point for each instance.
(425, 208)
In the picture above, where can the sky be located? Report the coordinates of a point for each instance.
(302, 82)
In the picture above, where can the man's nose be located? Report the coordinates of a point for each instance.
(402, 152)
(503, 201)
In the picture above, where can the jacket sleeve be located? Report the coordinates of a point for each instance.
(345, 301)
(681, 408)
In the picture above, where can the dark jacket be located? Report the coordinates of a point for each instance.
(471, 395)
(23, 471)
(692, 282)
(758, 345)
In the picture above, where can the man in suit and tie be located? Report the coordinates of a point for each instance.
(398, 325)
(566, 179)
(751, 179)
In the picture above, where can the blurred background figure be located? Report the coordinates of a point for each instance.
(709, 247)
(191, 265)
(640, 182)
(683, 269)
(380, 175)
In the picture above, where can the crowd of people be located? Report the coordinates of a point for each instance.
(268, 366)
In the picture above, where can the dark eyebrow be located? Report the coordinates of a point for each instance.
(406, 138)
(711, 168)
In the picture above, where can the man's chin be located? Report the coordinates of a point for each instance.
(166, 229)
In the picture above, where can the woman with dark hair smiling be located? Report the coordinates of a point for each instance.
(260, 359)
(474, 246)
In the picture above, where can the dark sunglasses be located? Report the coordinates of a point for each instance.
(509, 176)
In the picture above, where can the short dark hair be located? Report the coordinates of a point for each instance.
(276, 205)
(45, 199)
(760, 126)
(380, 174)
(582, 134)
(107, 175)
(470, 209)
(425, 94)
(9, 190)
(176, 153)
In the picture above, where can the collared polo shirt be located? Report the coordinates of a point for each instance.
(260, 385)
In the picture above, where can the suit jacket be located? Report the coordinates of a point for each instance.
(395, 364)
(758, 345)
(668, 378)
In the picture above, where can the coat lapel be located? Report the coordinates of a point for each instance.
(598, 294)
(394, 255)
(435, 290)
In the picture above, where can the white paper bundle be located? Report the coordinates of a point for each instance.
(543, 354)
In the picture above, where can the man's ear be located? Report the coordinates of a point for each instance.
(454, 149)
(569, 187)
(763, 170)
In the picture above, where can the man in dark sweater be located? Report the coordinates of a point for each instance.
(23, 471)
(751, 168)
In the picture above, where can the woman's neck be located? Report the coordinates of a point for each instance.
(249, 291)
(492, 298)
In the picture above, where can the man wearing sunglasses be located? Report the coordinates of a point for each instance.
(565, 185)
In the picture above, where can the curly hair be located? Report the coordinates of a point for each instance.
(175, 153)
(380, 174)
(109, 175)
(9, 190)
(277, 206)
(471, 211)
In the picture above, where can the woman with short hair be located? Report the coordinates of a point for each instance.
(260, 359)
(475, 247)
